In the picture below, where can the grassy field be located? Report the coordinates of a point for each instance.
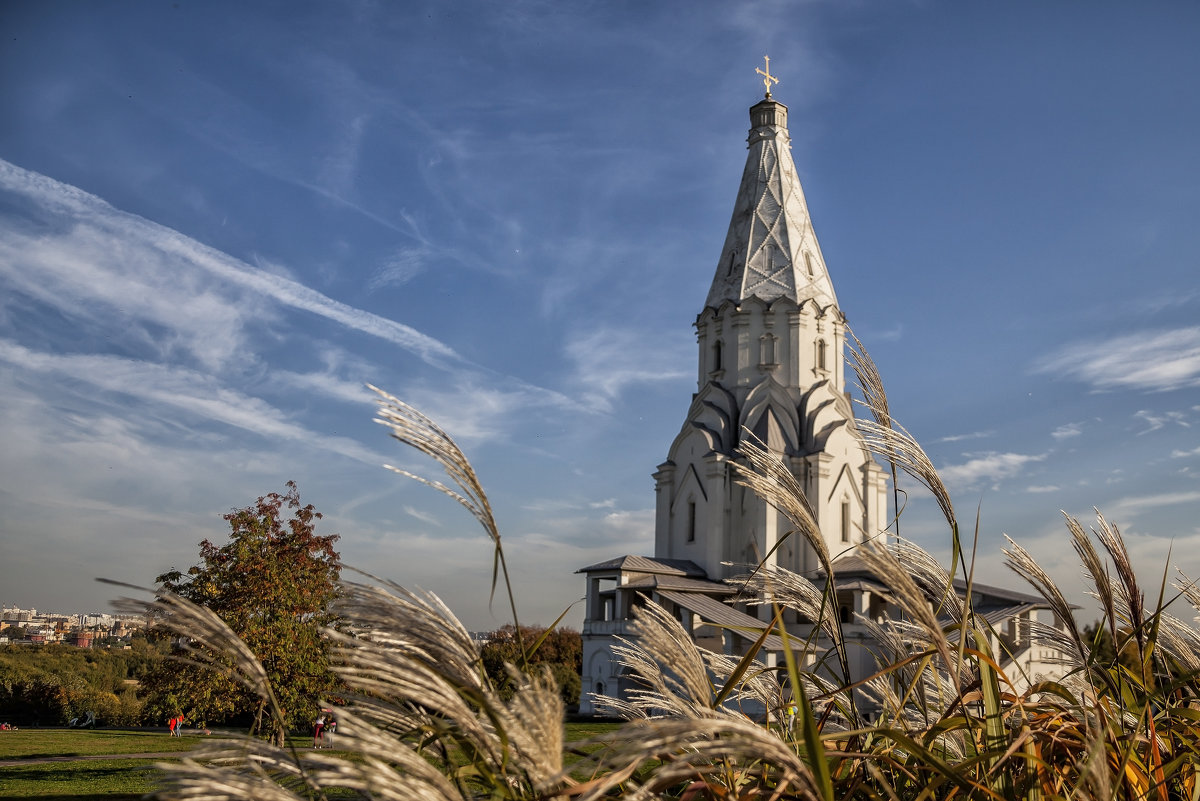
(122, 778)
(43, 743)
(110, 779)
(117, 778)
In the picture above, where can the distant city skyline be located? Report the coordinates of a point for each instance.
(56, 612)
(218, 221)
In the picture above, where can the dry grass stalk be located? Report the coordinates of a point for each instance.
(766, 474)
(716, 750)
(895, 444)
(409, 426)
(870, 382)
(773, 584)
(422, 705)
(1024, 565)
(914, 602)
(673, 675)
(1129, 599)
(931, 577)
(759, 687)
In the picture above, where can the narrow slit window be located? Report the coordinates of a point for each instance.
(691, 522)
(845, 521)
(767, 347)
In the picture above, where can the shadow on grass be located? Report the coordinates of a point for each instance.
(106, 797)
(109, 779)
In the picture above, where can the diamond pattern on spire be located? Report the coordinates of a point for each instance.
(769, 251)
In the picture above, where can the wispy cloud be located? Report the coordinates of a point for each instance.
(989, 467)
(327, 385)
(424, 517)
(340, 167)
(151, 272)
(1125, 510)
(409, 261)
(176, 391)
(609, 360)
(1067, 430)
(1042, 490)
(1149, 361)
(1166, 300)
(479, 407)
(403, 266)
(610, 534)
(971, 435)
(893, 334)
(1156, 420)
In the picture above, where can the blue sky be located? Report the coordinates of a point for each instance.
(219, 220)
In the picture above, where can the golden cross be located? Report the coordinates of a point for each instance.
(768, 78)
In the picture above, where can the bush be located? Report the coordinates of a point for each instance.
(559, 650)
(48, 685)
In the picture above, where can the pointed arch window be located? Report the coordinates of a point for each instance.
(716, 357)
(821, 354)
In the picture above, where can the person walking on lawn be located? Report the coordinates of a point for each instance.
(318, 731)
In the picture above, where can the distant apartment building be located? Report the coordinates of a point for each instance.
(15, 615)
(82, 638)
(84, 630)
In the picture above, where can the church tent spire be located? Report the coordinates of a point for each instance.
(771, 250)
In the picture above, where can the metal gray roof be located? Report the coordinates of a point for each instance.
(680, 583)
(724, 616)
(646, 564)
(853, 566)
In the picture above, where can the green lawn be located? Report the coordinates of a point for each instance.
(109, 779)
(118, 779)
(35, 743)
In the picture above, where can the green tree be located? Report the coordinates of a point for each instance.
(272, 583)
(561, 650)
(50, 684)
(1100, 638)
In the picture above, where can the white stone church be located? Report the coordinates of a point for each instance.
(772, 362)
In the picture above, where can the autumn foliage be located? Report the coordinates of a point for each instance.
(272, 583)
